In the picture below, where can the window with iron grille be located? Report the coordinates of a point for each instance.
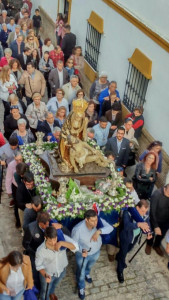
(92, 46)
(135, 89)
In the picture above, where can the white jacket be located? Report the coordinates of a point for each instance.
(4, 92)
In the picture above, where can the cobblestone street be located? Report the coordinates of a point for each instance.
(147, 277)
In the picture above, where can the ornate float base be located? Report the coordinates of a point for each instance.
(87, 175)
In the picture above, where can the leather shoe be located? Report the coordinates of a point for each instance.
(88, 279)
(53, 297)
(158, 251)
(111, 257)
(120, 277)
(148, 249)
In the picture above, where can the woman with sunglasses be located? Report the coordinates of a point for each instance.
(31, 43)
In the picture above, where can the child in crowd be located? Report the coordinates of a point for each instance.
(59, 29)
(110, 156)
(37, 21)
(70, 67)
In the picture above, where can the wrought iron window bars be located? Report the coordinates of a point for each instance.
(135, 88)
(92, 46)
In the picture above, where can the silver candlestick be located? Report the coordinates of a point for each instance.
(39, 142)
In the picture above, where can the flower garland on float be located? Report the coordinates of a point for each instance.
(109, 194)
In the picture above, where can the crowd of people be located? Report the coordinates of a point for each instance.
(38, 83)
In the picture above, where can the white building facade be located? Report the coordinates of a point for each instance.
(126, 26)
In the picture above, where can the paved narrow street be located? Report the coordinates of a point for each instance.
(146, 278)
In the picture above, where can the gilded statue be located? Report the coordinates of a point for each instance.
(81, 153)
(75, 125)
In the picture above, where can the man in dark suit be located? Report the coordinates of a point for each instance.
(47, 126)
(130, 232)
(58, 77)
(17, 46)
(24, 194)
(120, 147)
(33, 238)
(34, 233)
(68, 42)
(24, 58)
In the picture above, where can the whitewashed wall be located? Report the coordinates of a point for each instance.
(154, 13)
(118, 42)
(50, 6)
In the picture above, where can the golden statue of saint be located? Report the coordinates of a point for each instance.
(75, 125)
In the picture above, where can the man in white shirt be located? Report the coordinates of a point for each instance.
(51, 260)
(88, 236)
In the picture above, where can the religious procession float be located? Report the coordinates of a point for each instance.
(74, 175)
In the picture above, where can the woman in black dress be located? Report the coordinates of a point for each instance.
(145, 175)
(10, 123)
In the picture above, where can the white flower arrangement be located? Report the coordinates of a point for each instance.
(77, 204)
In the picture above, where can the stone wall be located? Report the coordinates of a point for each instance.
(48, 26)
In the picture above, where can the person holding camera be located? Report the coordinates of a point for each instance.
(130, 232)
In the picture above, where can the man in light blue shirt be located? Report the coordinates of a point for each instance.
(11, 26)
(102, 131)
(55, 102)
(88, 236)
(9, 150)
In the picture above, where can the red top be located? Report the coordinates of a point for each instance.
(29, 4)
(2, 140)
(56, 56)
(137, 124)
(4, 62)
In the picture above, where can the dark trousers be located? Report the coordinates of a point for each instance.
(125, 247)
(28, 100)
(6, 108)
(156, 240)
(36, 29)
(14, 189)
(58, 39)
(46, 75)
(34, 132)
(66, 58)
(35, 273)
